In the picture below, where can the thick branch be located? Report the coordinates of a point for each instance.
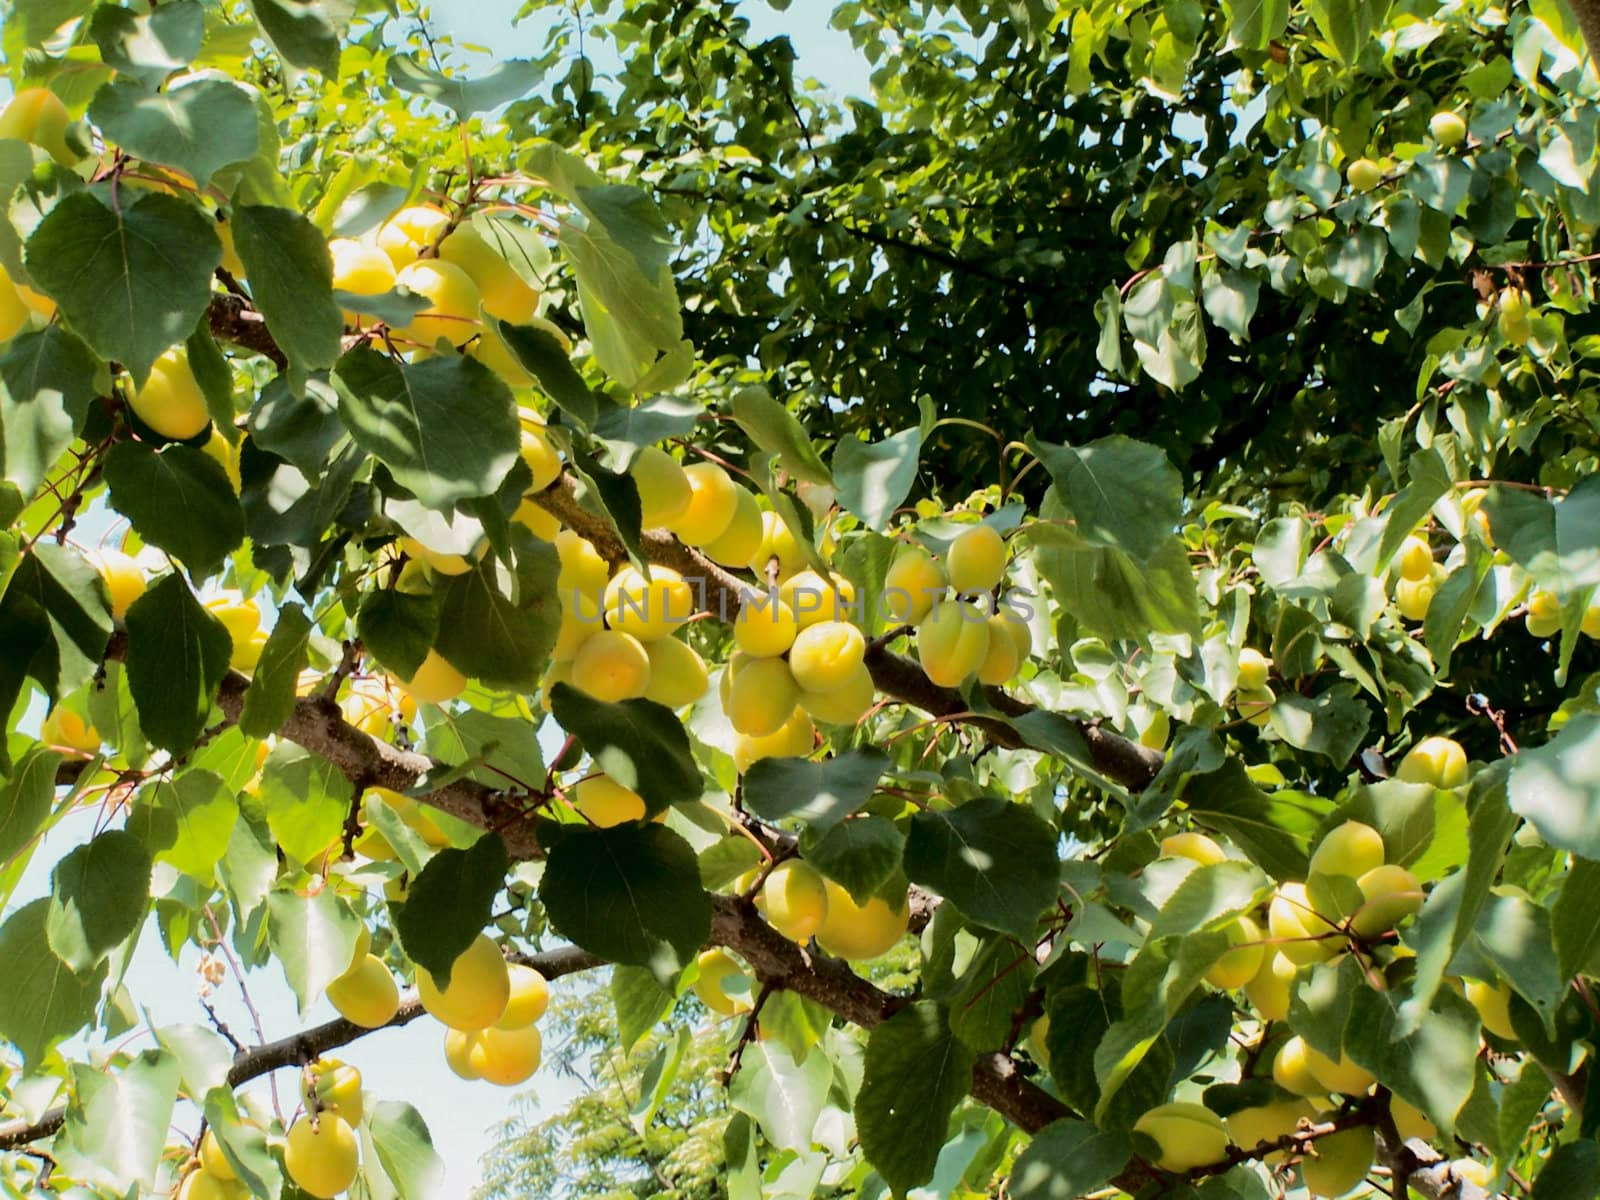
(1588, 14)
(233, 320)
(308, 1045)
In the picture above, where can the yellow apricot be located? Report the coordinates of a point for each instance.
(542, 458)
(976, 561)
(1410, 1121)
(331, 1086)
(171, 402)
(1544, 614)
(65, 728)
(360, 268)
(1189, 1135)
(777, 542)
(37, 115)
(530, 996)
(366, 995)
(1268, 992)
(717, 967)
(952, 642)
(506, 295)
(1291, 1069)
(846, 704)
(439, 562)
(204, 1185)
(606, 803)
(226, 457)
(1239, 965)
(494, 352)
(816, 599)
(1002, 661)
(1414, 597)
(739, 542)
(556, 672)
(1415, 558)
(1303, 935)
(1363, 175)
(1439, 761)
(583, 569)
(1249, 1127)
(795, 739)
(677, 673)
(321, 1155)
(1197, 846)
(452, 312)
(478, 991)
(458, 1052)
(212, 1159)
(1389, 894)
(765, 626)
(1351, 850)
(1017, 628)
(711, 505)
(505, 1057)
(1255, 706)
(13, 309)
(411, 230)
(1343, 1076)
(795, 899)
(239, 615)
(1448, 128)
(649, 609)
(664, 490)
(581, 619)
(611, 666)
(436, 681)
(827, 656)
(860, 931)
(915, 580)
(1254, 668)
(1493, 1002)
(762, 697)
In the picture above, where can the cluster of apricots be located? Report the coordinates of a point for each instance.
(1350, 902)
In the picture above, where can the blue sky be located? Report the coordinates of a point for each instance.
(406, 1064)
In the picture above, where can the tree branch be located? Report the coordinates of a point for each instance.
(1588, 14)
(309, 1044)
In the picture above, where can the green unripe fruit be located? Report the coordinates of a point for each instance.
(1351, 850)
(1190, 1135)
(1439, 761)
(1514, 319)
(1255, 706)
(1303, 935)
(1389, 894)
(1363, 175)
(1338, 1162)
(1448, 128)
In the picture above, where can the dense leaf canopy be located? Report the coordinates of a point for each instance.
(1033, 630)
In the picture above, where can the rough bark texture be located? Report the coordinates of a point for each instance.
(1588, 14)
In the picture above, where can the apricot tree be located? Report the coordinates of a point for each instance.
(406, 589)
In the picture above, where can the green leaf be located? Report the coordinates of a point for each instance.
(1210, 896)
(1275, 831)
(1516, 935)
(489, 637)
(187, 822)
(640, 1001)
(1557, 543)
(313, 937)
(1575, 919)
(301, 428)
(630, 894)
(861, 855)
(306, 799)
(916, 1072)
(271, 697)
(244, 1144)
(543, 356)
(394, 308)
(1556, 787)
(1434, 1067)
(821, 794)
(215, 377)
(47, 381)
(405, 1149)
(626, 430)
(97, 898)
(1123, 494)
(304, 32)
(1332, 724)
(177, 655)
(1454, 601)
(25, 799)
(508, 744)
(449, 904)
(874, 478)
(291, 282)
(782, 1096)
(42, 1001)
(130, 284)
(203, 1057)
(778, 431)
(117, 1122)
(993, 989)
(198, 126)
(398, 628)
(1572, 1172)
(993, 859)
(151, 46)
(179, 500)
(446, 427)
(639, 743)
(69, 592)
(1429, 481)
(36, 20)
(509, 79)
(1067, 1159)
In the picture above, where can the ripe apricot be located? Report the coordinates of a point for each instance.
(123, 578)
(1303, 935)
(1439, 761)
(1254, 669)
(37, 115)
(505, 1057)
(739, 542)
(827, 655)
(458, 1052)
(677, 674)
(213, 1160)
(1197, 846)
(1415, 558)
(1351, 850)
(359, 268)
(366, 994)
(915, 580)
(711, 505)
(1002, 660)
(794, 740)
(777, 542)
(664, 490)
(976, 561)
(543, 460)
(762, 697)
(795, 899)
(816, 599)
(171, 402)
(1268, 992)
(583, 568)
(506, 295)
(321, 1155)
(1493, 1002)
(530, 997)
(765, 626)
(63, 727)
(1239, 965)
(649, 609)
(406, 234)
(436, 681)
(452, 312)
(952, 642)
(611, 666)
(607, 803)
(1189, 1135)
(1389, 894)
(860, 931)
(331, 1086)
(478, 991)
(717, 967)
(846, 704)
